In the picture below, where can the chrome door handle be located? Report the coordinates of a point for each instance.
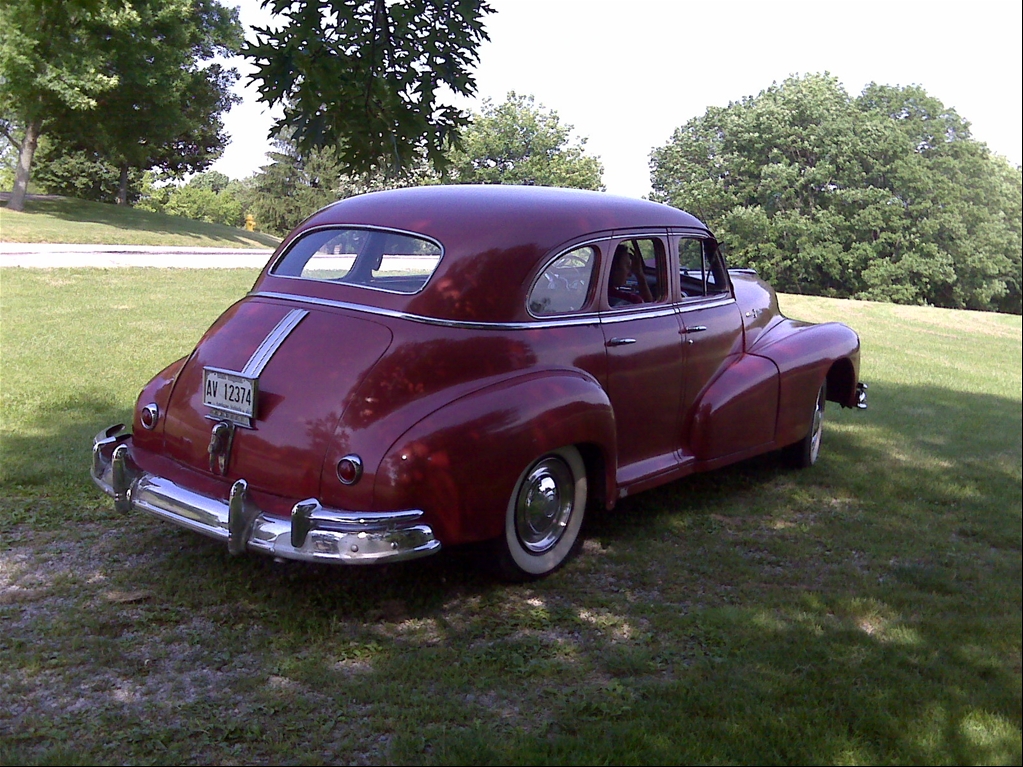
(693, 329)
(621, 341)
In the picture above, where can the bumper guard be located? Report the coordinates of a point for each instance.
(312, 534)
(861, 396)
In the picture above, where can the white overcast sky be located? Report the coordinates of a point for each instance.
(625, 74)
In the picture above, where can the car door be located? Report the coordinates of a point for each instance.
(644, 357)
(713, 338)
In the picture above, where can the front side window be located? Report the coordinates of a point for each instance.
(564, 285)
(372, 258)
(701, 270)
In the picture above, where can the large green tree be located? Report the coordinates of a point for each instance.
(885, 196)
(165, 111)
(363, 77)
(51, 63)
(520, 142)
(129, 83)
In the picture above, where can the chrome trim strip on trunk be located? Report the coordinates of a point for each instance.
(272, 343)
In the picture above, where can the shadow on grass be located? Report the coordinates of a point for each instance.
(911, 655)
(55, 448)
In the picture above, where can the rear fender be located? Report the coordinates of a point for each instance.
(460, 463)
(157, 392)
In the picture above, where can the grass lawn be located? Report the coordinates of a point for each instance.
(864, 611)
(66, 220)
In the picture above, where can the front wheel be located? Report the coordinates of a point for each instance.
(544, 515)
(804, 454)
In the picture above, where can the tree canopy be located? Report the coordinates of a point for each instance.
(885, 196)
(129, 83)
(362, 77)
(51, 60)
(519, 142)
(516, 142)
(165, 110)
(296, 183)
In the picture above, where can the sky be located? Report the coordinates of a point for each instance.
(626, 74)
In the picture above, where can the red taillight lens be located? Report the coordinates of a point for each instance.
(349, 469)
(149, 416)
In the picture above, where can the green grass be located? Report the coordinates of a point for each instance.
(67, 220)
(865, 611)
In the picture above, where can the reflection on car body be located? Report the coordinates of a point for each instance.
(448, 365)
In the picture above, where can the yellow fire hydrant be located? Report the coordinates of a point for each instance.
(250, 222)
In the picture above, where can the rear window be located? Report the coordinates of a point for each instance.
(397, 262)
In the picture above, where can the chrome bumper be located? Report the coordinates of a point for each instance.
(312, 534)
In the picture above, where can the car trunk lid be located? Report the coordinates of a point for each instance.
(307, 363)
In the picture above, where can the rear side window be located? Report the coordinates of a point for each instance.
(564, 285)
(397, 262)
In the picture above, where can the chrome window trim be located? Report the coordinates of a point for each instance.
(589, 318)
(704, 302)
(371, 227)
(638, 312)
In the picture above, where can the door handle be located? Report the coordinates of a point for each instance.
(621, 341)
(695, 329)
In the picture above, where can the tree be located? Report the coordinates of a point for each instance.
(51, 62)
(361, 77)
(518, 142)
(884, 197)
(165, 110)
(119, 80)
(210, 197)
(80, 174)
(296, 184)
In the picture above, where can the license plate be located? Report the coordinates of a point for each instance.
(230, 395)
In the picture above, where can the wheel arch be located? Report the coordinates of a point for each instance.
(842, 379)
(460, 463)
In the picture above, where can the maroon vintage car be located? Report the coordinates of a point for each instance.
(447, 365)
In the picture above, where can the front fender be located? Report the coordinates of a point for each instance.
(806, 356)
(460, 463)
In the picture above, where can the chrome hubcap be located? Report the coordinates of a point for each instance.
(544, 505)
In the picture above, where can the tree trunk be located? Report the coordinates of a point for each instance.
(122, 190)
(28, 150)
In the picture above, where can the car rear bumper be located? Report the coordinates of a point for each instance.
(312, 534)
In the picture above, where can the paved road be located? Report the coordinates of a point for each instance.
(48, 256)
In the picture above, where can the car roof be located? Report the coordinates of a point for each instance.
(494, 238)
(547, 216)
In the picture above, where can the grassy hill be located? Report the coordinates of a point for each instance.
(66, 220)
(865, 611)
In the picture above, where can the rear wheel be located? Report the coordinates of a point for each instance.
(804, 454)
(544, 515)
